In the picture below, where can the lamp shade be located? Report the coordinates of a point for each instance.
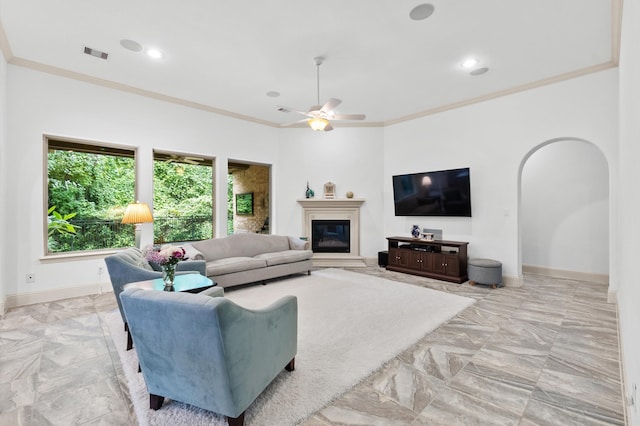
(137, 213)
(318, 123)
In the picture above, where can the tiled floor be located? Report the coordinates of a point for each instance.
(544, 354)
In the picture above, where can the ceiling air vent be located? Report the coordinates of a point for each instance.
(96, 53)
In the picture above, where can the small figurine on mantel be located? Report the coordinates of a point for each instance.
(329, 190)
(309, 192)
(415, 231)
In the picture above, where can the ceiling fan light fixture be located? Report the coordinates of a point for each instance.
(318, 123)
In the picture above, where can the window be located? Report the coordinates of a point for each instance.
(88, 187)
(182, 198)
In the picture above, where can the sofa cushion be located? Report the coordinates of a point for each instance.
(288, 256)
(234, 264)
(241, 245)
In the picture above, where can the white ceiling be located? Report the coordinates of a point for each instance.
(226, 55)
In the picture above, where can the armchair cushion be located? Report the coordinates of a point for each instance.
(226, 364)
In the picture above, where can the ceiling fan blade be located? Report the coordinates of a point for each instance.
(287, 109)
(193, 160)
(331, 104)
(328, 128)
(348, 117)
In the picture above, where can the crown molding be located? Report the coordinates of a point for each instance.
(616, 33)
(517, 89)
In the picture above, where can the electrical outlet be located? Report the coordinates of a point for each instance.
(31, 277)
(100, 270)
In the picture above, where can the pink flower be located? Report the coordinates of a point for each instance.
(168, 255)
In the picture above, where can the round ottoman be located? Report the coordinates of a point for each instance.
(485, 271)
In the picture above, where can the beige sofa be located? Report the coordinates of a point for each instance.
(247, 258)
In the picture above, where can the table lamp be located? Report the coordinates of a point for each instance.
(137, 213)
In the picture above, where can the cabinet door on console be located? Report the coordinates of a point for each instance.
(399, 257)
(446, 264)
(421, 260)
(452, 265)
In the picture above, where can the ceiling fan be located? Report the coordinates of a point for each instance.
(320, 116)
(174, 158)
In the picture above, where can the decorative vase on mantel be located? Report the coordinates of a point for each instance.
(168, 275)
(415, 231)
(309, 192)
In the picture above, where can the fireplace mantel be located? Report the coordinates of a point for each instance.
(323, 203)
(334, 209)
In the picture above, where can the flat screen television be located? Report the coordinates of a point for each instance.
(437, 193)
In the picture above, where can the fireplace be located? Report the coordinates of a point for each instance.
(330, 236)
(332, 227)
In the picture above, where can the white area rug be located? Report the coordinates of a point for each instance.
(349, 325)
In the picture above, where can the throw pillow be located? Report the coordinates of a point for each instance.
(296, 243)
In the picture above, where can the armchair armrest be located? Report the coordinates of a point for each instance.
(258, 343)
(124, 272)
(213, 292)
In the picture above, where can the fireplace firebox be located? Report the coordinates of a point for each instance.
(330, 236)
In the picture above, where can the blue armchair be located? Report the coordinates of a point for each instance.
(130, 266)
(212, 353)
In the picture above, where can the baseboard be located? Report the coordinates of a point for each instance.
(23, 299)
(371, 261)
(563, 273)
(510, 281)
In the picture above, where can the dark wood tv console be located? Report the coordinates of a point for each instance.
(439, 259)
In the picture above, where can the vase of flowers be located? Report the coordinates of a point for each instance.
(167, 258)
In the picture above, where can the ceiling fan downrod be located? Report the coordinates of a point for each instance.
(318, 60)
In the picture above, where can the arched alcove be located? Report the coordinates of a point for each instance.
(564, 210)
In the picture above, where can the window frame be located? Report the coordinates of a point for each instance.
(177, 157)
(86, 146)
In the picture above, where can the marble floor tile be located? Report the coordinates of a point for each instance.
(510, 395)
(539, 413)
(576, 389)
(456, 408)
(365, 407)
(80, 405)
(517, 368)
(17, 393)
(406, 385)
(543, 354)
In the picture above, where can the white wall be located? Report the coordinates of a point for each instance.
(627, 248)
(493, 138)
(351, 158)
(47, 104)
(565, 208)
(4, 208)
(42, 103)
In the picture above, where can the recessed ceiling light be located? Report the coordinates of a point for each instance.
(273, 94)
(131, 45)
(470, 62)
(421, 11)
(154, 53)
(479, 71)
